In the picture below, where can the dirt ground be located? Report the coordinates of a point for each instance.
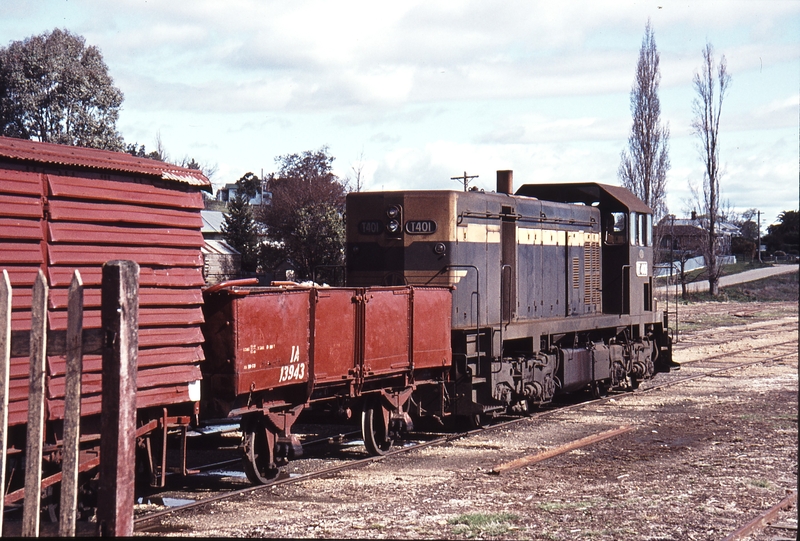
(703, 458)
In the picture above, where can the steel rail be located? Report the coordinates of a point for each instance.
(763, 519)
(737, 352)
(141, 523)
(718, 370)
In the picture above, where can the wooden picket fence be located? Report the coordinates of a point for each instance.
(118, 342)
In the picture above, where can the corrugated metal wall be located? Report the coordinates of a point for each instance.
(62, 219)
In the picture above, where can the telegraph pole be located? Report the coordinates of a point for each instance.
(465, 178)
(758, 245)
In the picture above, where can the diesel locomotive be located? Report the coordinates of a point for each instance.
(552, 286)
(458, 305)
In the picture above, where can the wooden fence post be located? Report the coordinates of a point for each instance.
(33, 448)
(120, 319)
(5, 359)
(72, 409)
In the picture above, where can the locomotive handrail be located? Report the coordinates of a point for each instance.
(505, 300)
(624, 290)
(476, 293)
(518, 217)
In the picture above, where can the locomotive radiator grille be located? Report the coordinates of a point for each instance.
(576, 273)
(591, 279)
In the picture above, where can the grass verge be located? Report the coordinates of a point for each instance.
(480, 524)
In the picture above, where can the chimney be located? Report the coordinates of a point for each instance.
(505, 182)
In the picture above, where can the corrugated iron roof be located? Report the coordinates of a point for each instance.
(64, 209)
(218, 247)
(212, 221)
(23, 149)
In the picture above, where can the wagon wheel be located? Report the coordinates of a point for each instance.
(258, 453)
(375, 427)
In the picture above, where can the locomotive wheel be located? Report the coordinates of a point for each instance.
(476, 421)
(599, 389)
(374, 421)
(258, 455)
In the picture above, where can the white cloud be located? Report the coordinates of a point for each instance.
(429, 89)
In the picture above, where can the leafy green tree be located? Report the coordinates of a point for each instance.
(747, 223)
(53, 88)
(249, 185)
(785, 234)
(304, 221)
(744, 248)
(240, 228)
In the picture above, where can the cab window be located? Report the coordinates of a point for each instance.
(641, 229)
(615, 228)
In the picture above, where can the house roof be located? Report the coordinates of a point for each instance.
(212, 221)
(218, 247)
(687, 226)
(35, 151)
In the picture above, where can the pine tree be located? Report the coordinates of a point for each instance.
(240, 230)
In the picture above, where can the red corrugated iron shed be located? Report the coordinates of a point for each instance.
(64, 208)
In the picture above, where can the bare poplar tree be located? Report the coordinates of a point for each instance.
(358, 174)
(644, 165)
(711, 85)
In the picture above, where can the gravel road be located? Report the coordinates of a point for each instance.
(741, 277)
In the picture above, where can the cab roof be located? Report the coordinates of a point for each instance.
(588, 193)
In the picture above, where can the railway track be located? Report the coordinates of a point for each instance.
(767, 519)
(317, 466)
(695, 339)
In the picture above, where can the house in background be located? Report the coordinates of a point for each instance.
(690, 234)
(683, 243)
(228, 192)
(220, 260)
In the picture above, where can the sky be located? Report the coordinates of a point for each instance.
(415, 93)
